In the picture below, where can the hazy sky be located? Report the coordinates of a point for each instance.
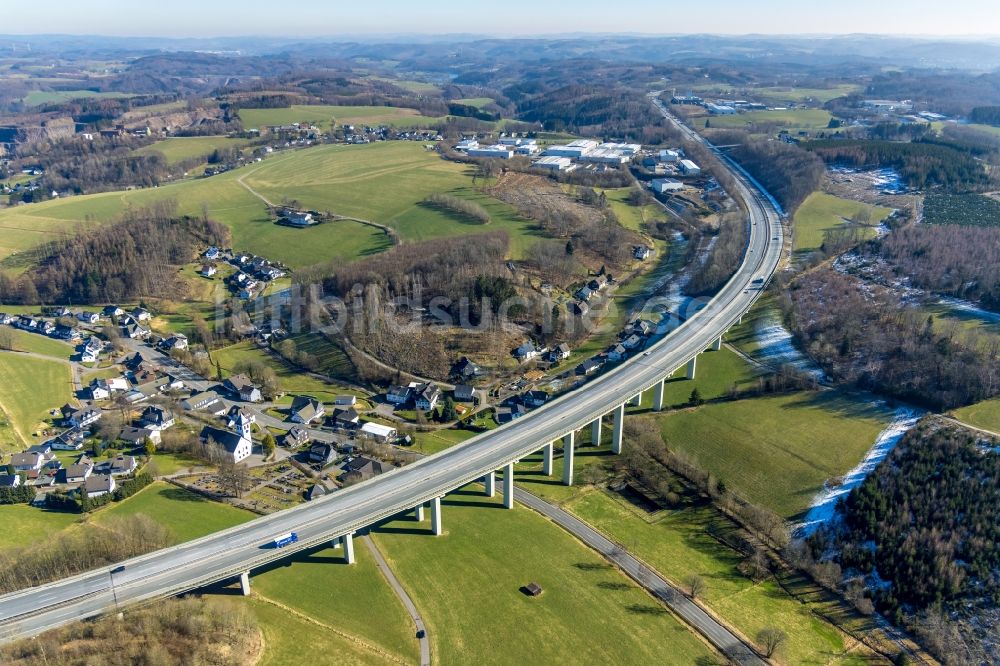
(206, 18)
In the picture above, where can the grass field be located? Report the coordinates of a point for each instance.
(631, 217)
(179, 149)
(777, 451)
(25, 525)
(325, 117)
(39, 97)
(777, 95)
(792, 119)
(355, 599)
(292, 640)
(678, 545)
(36, 343)
(187, 515)
(383, 182)
(439, 440)
(985, 415)
(478, 102)
(718, 372)
(821, 212)
(29, 388)
(290, 380)
(466, 585)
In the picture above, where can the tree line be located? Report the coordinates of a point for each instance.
(459, 206)
(126, 260)
(922, 165)
(789, 173)
(870, 339)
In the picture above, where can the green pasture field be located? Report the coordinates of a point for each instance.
(821, 212)
(25, 525)
(186, 514)
(478, 102)
(777, 451)
(467, 583)
(385, 183)
(678, 544)
(179, 149)
(355, 599)
(39, 97)
(792, 119)
(776, 95)
(985, 415)
(326, 117)
(290, 380)
(30, 388)
(36, 343)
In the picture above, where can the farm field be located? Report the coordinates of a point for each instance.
(187, 515)
(479, 562)
(179, 149)
(821, 212)
(792, 119)
(39, 97)
(384, 182)
(777, 451)
(325, 117)
(478, 102)
(355, 599)
(779, 95)
(973, 210)
(30, 388)
(985, 415)
(631, 217)
(678, 544)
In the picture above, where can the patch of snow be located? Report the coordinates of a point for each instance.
(824, 504)
(776, 347)
(970, 308)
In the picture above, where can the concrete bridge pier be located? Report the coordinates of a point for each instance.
(348, 542)
(490, 483)
(595, 431)
(717, 344)
(636, 400)
(658, 396)
(617, 425)
(547, 455)
(508, 486)
(245, 583)
(692, 367)
(568, 459)
(418, 513)
(436, 517)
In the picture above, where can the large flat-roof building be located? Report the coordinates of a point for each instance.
(574, 149)
(492, 152)
(664, 185)
(689, 168)
(605, 156)
(553, 163)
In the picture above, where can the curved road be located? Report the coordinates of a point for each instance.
(225, 555)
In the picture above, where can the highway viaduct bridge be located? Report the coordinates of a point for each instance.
(234, 553)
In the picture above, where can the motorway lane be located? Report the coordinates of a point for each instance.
(225, 554)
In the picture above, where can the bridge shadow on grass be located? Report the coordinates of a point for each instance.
(231, 587)
(182, 495)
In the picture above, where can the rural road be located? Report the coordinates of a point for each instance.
(411, 608)
(718, 635)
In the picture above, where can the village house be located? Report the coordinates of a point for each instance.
(208, 270)
(321, 453)
(427, 396)
(112, 311)
(27, 461)
(306, 409)
(617, 353)
(157, 418)
(579, 308)
(241, 386)
(10, 480)
(560, 352)
(642, 252)
(534, 398)
(99, 484)
(398, 395)
(508, 412)
(211, 253)
(598, 283)
(69, 440)
(82, 416)
(465, 393)
(141, 314)
(177, 341)
(526, 352)
(466, 369)
(362, 468)
(237, 416)
(296, 436)
(88, 317)
(345, 419)
(584, 294)
(138, 436)
(78, 472)
(589, 366)
(345, 401)
(632, 341)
